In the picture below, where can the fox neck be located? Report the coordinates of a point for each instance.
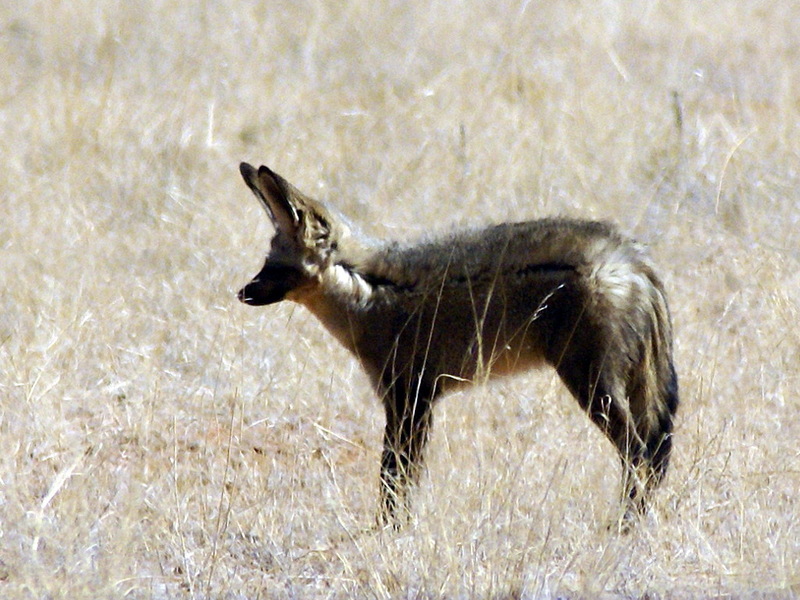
(344, 301)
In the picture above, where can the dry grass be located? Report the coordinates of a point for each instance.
(160, 440)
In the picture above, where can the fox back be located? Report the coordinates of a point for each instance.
(425, 318)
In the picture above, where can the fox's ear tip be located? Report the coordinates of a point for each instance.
(246, 169)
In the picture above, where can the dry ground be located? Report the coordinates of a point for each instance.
(160, 440)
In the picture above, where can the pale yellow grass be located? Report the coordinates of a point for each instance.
(160, 440)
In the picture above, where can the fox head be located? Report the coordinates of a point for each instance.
(304, 243)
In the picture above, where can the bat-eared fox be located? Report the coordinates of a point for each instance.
(428, 317)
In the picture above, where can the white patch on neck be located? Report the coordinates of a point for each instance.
(344, 282)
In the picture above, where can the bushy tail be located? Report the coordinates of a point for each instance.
(659, 445)
(663, 386)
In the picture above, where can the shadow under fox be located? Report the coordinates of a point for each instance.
(423, 319)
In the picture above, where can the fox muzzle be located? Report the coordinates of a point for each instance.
(270, 285)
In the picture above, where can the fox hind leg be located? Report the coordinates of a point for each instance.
(602, 394)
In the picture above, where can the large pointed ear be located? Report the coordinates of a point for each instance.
(274, 192)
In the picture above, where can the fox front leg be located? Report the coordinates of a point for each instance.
(408, 423)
